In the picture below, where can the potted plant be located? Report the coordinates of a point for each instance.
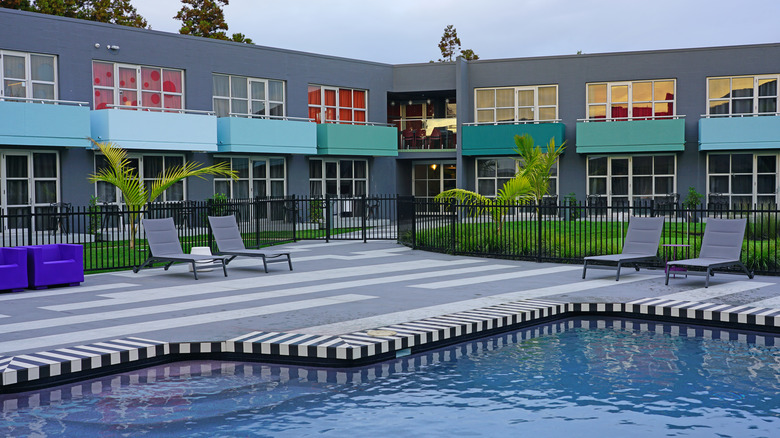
(692, 202)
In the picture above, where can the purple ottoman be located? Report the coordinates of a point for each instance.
(49, 265)
(13, 269)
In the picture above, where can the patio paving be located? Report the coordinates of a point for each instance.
(336, 288)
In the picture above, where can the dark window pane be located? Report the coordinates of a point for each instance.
(766, 163)
(597, 166)
(664, 165)
(315, 168)
(742, 184)
(742, 163)
(719, 164)
(44, 165)
(642, 165)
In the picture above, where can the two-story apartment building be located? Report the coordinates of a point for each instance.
(637, 125)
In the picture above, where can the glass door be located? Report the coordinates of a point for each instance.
(618, 180)
(16, 190)
(128, 86)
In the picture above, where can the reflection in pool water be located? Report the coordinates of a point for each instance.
(592, 377)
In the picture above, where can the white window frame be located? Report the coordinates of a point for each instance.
(495, 178)
(251, 177)
(629, 100)
(754, 174)
(516, 108)
(29, 83)
(117, 90)
(630, 176)
(323, 179)
(32, 203)
(323, 115)
(267, 102)
(756, 98)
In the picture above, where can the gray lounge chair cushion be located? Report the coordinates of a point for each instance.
(721, 244)
(226, 233)
(642, 239)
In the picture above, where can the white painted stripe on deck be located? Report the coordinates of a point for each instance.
(771, 303)
(459, 306)
(189, 291)
(171, 323)
(497, 277)
(45, 293)
(221, 301)
(718, 290)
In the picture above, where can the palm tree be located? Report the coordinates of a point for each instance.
(536, 165)
(135, 194)
(515, 192)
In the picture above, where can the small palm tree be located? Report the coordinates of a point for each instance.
(121, 174)
(536, 165)
(516, 191)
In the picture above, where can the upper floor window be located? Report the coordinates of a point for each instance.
(240, 95)
(28, 75)
(517, 104)
(742, 95)
(631, 100)
(334, 105)
(136, 87)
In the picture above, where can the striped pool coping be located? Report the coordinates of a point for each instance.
(50, 368)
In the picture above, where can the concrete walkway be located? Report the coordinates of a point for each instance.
(336, 288)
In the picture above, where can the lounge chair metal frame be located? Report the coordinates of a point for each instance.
(640, 245)
(164, 246)
(230, 243)
(721, 247)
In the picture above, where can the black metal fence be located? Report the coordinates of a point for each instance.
(567, 232)
(114, 239)
(550, 232)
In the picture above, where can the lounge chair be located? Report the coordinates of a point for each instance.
(641, 245)
(164, 246)
(230, 243)
(720, 248)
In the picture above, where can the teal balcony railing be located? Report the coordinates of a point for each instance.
(743, 131)
(631, 135)
(499, 138)
(44, 122)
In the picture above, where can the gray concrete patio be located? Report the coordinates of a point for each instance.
(336, 288)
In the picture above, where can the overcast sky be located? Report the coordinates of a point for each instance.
(408, 31)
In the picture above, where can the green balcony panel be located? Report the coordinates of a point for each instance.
(745, 133)
(155, 130)
(484, 140)
(362, 140)
(37, 124)
(634, 136)
(266, 136)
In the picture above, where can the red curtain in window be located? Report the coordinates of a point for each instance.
(315, 95)
(314, 113)
(172, 101)
(330, 97)
(359, 99)
(415, 110)
(345, 98)
(619, 112)
(150, 79)
(360, 116)
(172, 81)
(103, 98)
(345, 114)
(103, 74)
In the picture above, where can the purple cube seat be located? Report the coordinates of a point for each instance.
(13, 269)
(50, 265)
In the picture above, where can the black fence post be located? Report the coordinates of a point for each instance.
(363, 214)
(328, 219)
(294, 216)
(453, 223)
(539, 232)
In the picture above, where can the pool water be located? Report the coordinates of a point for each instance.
(578, 378)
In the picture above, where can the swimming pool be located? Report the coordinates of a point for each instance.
(578, 377)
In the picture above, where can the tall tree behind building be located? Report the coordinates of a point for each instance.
(105, 11)
(450, 46)
(205, 18)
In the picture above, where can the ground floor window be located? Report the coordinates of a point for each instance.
(338, 177)
(431, 178)
(742, 179)
(623, 181)
(149, 167)
(258, 177)
(29, 181)
(493, 173)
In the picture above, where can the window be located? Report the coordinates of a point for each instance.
(28, 180)
(744, 179)
(239, 95)
(493, 173)
(627, 181)
(338, 177)
(258, 177)
(431, 178)
(643, 100)
(136, 87)
(28, 75)
(334, 105)
(742, 95)
(149, 167)
(517, 104)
